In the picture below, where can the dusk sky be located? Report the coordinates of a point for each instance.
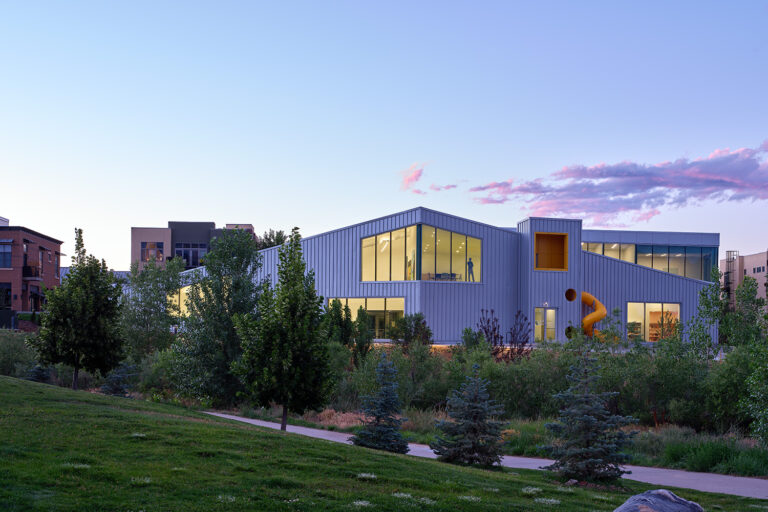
(642, 115)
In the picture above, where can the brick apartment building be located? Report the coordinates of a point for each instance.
(30, 262)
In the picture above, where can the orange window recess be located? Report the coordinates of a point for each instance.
(551, 251)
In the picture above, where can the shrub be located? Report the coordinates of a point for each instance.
(118, 381)
(707, 455)
(410, 330)
(726, 384)
(16, 357)
(472, 435)
(471, 338)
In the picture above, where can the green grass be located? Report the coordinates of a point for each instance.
(66, 450)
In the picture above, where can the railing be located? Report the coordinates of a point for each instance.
(31, 271)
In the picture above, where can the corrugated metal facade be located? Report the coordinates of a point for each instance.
(508, 280)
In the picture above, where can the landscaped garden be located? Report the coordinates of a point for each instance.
(66, 450)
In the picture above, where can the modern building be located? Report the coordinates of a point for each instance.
(735, 268)
(553, 271)
(29, 264)
(187, 240)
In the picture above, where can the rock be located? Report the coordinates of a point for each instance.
(572, 481)
(660, 500)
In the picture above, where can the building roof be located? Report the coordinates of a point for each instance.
(30, 231)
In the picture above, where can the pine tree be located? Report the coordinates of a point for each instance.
(589, 438)
(472, 436)
(382, 429)
(363, 336)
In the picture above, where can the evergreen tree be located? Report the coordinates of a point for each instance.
(472, 435)
(363, 336)
(285, 356)
(590, 441)
(147, 314)
(208, 343)
(271, 238)
(81, 319)
(338, 324)
(382, 426)
(410, 329)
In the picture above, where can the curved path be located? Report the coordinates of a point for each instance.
(707, 482)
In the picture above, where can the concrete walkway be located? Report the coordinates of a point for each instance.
(706, 482)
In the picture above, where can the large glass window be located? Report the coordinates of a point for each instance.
(628, 253)
(458, 257)
(398, 255)
(596, 248)
(5, 255)
(544, 324)
(652, 321)
(382, 312)
(191, 253)
(474, 259)
(368, 252)
(661, 258)
(411, 248)
(443, 255)
(443, 248)
(382, 257)
(708, 260)
(427, 253)
(612, 250)
(677, 261)
(152, 251)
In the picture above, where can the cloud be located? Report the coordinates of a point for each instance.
(440, 188)
(411, 176)
(605, 193)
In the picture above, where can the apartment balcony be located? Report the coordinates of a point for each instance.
(31, 273)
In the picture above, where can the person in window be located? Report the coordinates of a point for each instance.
(470, 271)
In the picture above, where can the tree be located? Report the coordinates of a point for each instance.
(382, 425)
(208, 343)
(489, 326)
(285, 356)
(337, 324)
(472, 435)
(363, 336)
(81, 319)
(271, 238)
(589, 440)
(410, 329)
(147, 314)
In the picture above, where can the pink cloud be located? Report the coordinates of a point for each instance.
(411, 176)
(603, 193)
(440, 188)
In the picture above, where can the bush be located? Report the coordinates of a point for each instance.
(119, 381)
(16, 357)
(727, 384)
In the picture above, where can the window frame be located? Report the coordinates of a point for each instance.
(645, 324)
(545, 326)
(565, 252)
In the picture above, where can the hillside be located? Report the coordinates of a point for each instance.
(66, 450)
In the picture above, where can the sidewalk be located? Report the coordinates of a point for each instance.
(706, 482)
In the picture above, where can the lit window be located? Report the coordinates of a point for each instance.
(651, 321)
(152, 251)
(382, 312)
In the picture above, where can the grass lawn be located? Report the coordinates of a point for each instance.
(66, 450)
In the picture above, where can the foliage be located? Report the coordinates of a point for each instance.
(745, 325)
(489, 326)
(519, 333)
(80, 323)
(472, 435)
(198, 462)
(271, 238)
(16, 357)
(381, 430)
(362, 336)
(590, 439)
(410, 330)
(471, 338)
(337, 324)
(208, 344)
(726, 384)
(285, 358)
(756, 401)
(118, 380)
(147, 314)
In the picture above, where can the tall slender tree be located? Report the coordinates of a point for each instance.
(81, 319)
(285, 355)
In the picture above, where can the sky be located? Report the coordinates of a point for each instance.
(630, 115)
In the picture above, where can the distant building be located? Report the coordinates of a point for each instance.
(735, 268)
(188, 240)
(29, 263)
